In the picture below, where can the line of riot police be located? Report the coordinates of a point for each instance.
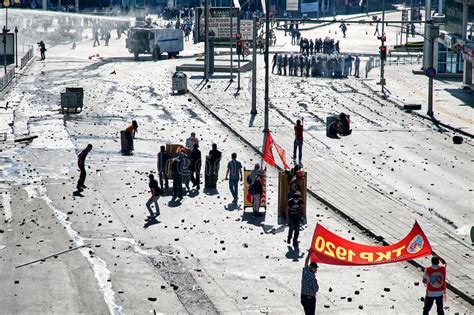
(316, 65)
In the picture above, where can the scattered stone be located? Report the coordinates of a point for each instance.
(361, 307)
(356, 292)
(17, 281)
(386, 289)
(245, 297)
(349, 299)
(245, 245)
(330, 289)
(152, 299)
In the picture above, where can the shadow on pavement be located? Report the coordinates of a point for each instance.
(294, 254)
(232, 206)
(150, 222)
(256, 220)
(210, 191)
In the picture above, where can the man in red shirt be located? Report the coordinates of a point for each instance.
(435, 280)
(298, 140)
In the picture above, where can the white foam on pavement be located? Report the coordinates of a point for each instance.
(99, 266)
(6, 207)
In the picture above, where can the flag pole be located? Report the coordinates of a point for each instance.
(267, 50)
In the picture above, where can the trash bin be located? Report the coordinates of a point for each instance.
(126, 143)
(180, 82)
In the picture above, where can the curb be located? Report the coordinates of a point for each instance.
(391, 101)
(345, 216)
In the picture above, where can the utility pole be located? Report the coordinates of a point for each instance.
(433, 32)
(254, 67)
(382, 61)
(467, 73)
(426, 43)
(77, 5)
(16, 47)
(231, 44)
(206, 46)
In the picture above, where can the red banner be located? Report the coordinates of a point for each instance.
(328, 248)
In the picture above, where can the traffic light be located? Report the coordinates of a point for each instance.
(383, 52)
(238, 38)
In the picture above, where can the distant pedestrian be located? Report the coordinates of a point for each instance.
(294, 212)
(298, 143)
(81, 160)
(274, 61)
(234, 169)
(256, 191)
(214, 164)
(155, 195)
(377, 28)
(309, 286)
(162, 165)
(435, 280)
(195, 166)
(107, 37)
(96, 37)
(42, 48)
(343, 28)
(191, 141)
(356, 66)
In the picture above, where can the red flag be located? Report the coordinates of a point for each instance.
(282, 154)
(267, 150)
(329, 248)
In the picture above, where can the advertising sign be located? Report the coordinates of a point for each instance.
(219, 23)
(10, 48)
(292, 5)
(329, 248)
(309, 7)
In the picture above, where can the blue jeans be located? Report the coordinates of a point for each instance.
(298, 144)
(234, 187)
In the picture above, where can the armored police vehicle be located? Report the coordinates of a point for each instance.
(155, 41)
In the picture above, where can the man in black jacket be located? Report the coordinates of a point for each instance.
(195, 166)
(213, 166)
(162, 165)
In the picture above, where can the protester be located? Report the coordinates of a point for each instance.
(298, 142)
(356, 66)
(234, 169)
(191, 141)
(256, 190)
(81, 160)
(176, 176)
(130, 131)
(155, 195)
(309, 286)
(96, 37)
(214, 161)
(195, 166)
(162, 165)
(333, 129)
(42, 48)
(435, 280)
(345, 123)
(294, 212)
(274, 61)
(343, 28)
(107, 37)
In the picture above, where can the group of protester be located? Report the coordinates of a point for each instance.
(326, 46)
(318, 65)
(186, 167)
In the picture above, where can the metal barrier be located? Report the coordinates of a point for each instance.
(27, 57)
(8, 77)
(403, 60)
(370, 64)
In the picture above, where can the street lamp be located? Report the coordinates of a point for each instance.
(16, 47)
(6, 4)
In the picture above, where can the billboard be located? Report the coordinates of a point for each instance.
(219, 23)
(454, 12)
(309, 7)
(246, 29)
(292, 5)
(10, 48)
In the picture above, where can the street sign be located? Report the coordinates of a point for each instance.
(219, 23)
(430, 72)
(247, 44)
(246, 29)
(246, 52)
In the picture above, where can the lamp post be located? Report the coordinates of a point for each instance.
(16, 47)
(6, 4)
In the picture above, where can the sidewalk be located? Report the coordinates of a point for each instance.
(451, 105)
(342, 187)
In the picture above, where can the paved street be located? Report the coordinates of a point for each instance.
(204, 254)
